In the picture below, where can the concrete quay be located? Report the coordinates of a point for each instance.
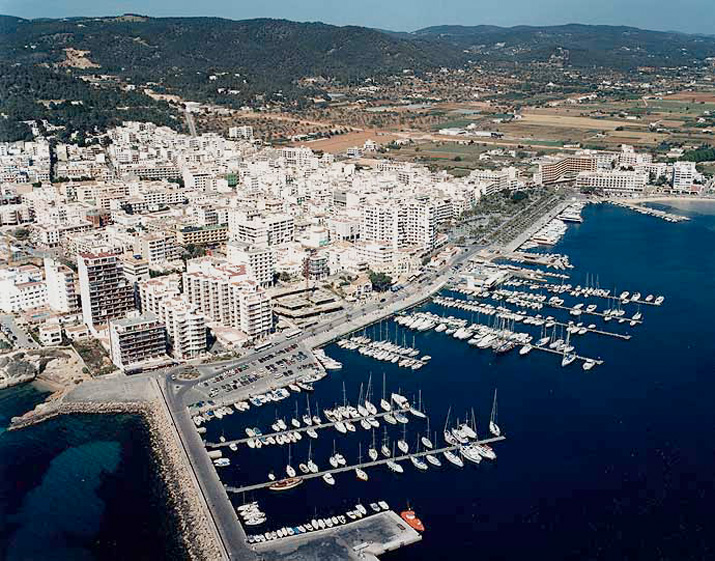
(362, 539)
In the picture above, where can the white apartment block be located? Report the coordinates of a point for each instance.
(185, 324)
(257, 230)
(245, 132)
(226, 296)
(157, 247)
(614, 182)
(21, 289)
(61, 284)
(501, 180)
(260, 262)
(684, 174)
(400, 224)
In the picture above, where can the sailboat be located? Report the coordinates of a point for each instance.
(334, 459)
(417, 412)
(431, 458)
(368, 396)
(402, 443)
(383, 402)
(417, 462)
(361, 475)
(426, 442)
(393, 465)
(493, 426)
(312, 466)
(384, 448)
(294, 421)
(290, 470)
(316, 418)
(307, 419)
(447, 434)
(372, 451)
(568, 356)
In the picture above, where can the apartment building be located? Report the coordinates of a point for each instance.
(157, 247)
(22, 288)
(206, 235)
(106, 293)
(61, 284)
(226, 296)
(614, 182)
(185, 324)
(137, 342)
(258, 230)
(684, 174)
(552, 170)
(408, 223)
(260, 262)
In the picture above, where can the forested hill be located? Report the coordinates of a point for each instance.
(231, 62)
(608, 46)
(263, 51)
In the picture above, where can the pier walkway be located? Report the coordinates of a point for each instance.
(623, 336)
(379, 462)
(304, 428)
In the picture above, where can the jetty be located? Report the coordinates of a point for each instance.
(363, 465)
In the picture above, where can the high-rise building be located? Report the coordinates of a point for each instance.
(61, 287)
(226, 296)
(137, 341)
(259, 261)
(106, 293)
(684, 175)
(185, 324)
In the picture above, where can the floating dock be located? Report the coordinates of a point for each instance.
(303, 428)
(379, 462)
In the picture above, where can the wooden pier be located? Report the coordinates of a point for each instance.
(379, 462)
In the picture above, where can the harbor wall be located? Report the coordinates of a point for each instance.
(192, 521)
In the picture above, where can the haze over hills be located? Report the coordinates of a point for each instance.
(601, 45)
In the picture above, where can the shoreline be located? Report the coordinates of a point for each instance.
(196, 539)
(664, 199)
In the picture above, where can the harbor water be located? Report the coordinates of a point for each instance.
(79, 488)
(614, 463)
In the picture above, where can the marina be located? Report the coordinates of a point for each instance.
(510, 315)
(364, 465)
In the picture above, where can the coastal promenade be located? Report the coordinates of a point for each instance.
(519, 240)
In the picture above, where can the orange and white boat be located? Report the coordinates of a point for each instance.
(410, 517)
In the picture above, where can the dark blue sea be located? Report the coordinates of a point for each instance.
(79, 488)
(615, 463)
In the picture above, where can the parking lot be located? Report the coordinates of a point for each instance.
(285, 363)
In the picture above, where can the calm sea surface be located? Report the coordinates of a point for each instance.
(616, 463)
(79, 488)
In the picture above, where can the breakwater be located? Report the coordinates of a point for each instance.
(191, 518)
